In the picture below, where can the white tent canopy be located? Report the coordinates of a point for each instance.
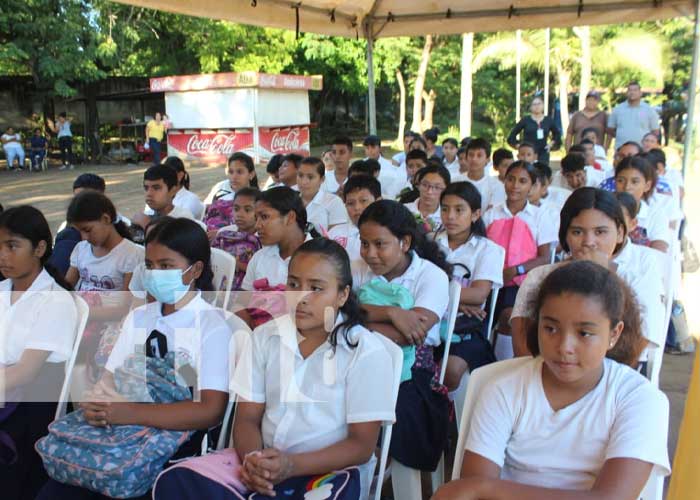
(350, 18)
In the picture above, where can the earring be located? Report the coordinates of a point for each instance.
(328, 319)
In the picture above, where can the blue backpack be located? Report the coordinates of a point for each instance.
(121, 461)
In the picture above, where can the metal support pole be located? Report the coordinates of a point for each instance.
(518, 43)
(689, 145)
(548, 33)
(371, 98)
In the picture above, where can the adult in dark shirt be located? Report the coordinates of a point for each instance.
(537, 130)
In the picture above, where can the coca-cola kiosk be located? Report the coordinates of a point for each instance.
(213, 116)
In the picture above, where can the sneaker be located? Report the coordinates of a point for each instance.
(674, 350)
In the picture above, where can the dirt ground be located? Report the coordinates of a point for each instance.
(51, 191)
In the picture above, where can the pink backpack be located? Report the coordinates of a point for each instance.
(515, 237)
(219, 214)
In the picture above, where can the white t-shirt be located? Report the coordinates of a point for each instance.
(515, 427)
(326, 209)
(221, 191)
(491, 189)
(330, 183)
(348, 236)
(556, 197)
(453, 168)
(198, 331)
(544, 229)
(106, 273)
(427, 283)
(185, 200)
(434, 219)
(309, 402)
(593, 178)
(391, 178)
(14, 140)
(44, 319)
(639, 269)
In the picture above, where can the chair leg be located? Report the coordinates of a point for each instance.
(504, 347)
(460, 394)
(437, 478)
(405, 482)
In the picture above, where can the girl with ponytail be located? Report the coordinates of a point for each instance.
(38, 329)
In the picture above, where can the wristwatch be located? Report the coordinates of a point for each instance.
(520, 269)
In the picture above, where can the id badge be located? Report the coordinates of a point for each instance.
(540, 134)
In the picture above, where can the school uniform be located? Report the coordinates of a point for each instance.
(267, 263)
(452, 167)
(197, 330)
(422, 412)
(434, 219)
(479, 259)
(185, 201)
(43, 318)
(544, 229)
(184, 213)
(556, 197)
(514, 426)
(653, 222)
(348, 236)
(390, 178)
(326, 210)
(491, 189)
(331, 185)
(593, 178)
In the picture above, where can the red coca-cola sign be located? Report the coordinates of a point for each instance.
(210, 147)
(284, 141)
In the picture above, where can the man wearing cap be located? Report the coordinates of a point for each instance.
(591, 116)
(632, 119)
(389, 175)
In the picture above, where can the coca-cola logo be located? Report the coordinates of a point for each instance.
(288, 142)
(218, 145)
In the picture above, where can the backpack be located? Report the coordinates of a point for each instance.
(266, 303)
(219, 214)
(239, 244)
(515, 237)
(121, 461)
(381, 293)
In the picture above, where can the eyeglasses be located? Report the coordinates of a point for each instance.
(431, 187)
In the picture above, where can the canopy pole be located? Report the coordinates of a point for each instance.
(518, 42)
(689, 145)
(546, 71)
(371, 97)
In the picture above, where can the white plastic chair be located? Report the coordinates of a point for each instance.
(83, 311)
(452, 310)
(224, 267)
(656, 354)
(478, 379)
(492, 311)
(387, 426)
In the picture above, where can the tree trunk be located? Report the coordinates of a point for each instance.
(564, 78)
(402, 108)
(584, 35)
(92, 148)
(429, 98)
(465, 97)
(416, 124)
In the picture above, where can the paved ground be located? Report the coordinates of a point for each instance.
(51, 192)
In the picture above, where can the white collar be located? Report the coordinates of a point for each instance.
(442, 238)
(529, 208)
(41, 283)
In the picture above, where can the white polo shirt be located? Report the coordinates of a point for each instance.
(198, 331)
(427, 283)
(556, 197)
(491, 189)
(43, 318)
(544, 230)
(330, 183)
(655, 218)
(267, 263)
(348, 236)
(391, 178)
(326, 209)
(453, 168)
(434, 219)
(479, 258)
(186, 202)
(593, 178)
(514, 426)
(309, 402)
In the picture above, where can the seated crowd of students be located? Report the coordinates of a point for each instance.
(373, 245)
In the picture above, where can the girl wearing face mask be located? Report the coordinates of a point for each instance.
(178, 270)
(593, 228)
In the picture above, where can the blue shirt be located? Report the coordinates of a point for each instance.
(38, 142)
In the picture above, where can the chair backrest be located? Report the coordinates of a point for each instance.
(492, 311)
(83, 311)
(656, 354)
(477, 380)
(452, 310)
(224, 267)
(397, 361)
(239, 340)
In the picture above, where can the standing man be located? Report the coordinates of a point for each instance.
(632, 119)
(341, 150)
(591, 116)
(155, 133)
(391, 178)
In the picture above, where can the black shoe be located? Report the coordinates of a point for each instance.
(674, 350)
